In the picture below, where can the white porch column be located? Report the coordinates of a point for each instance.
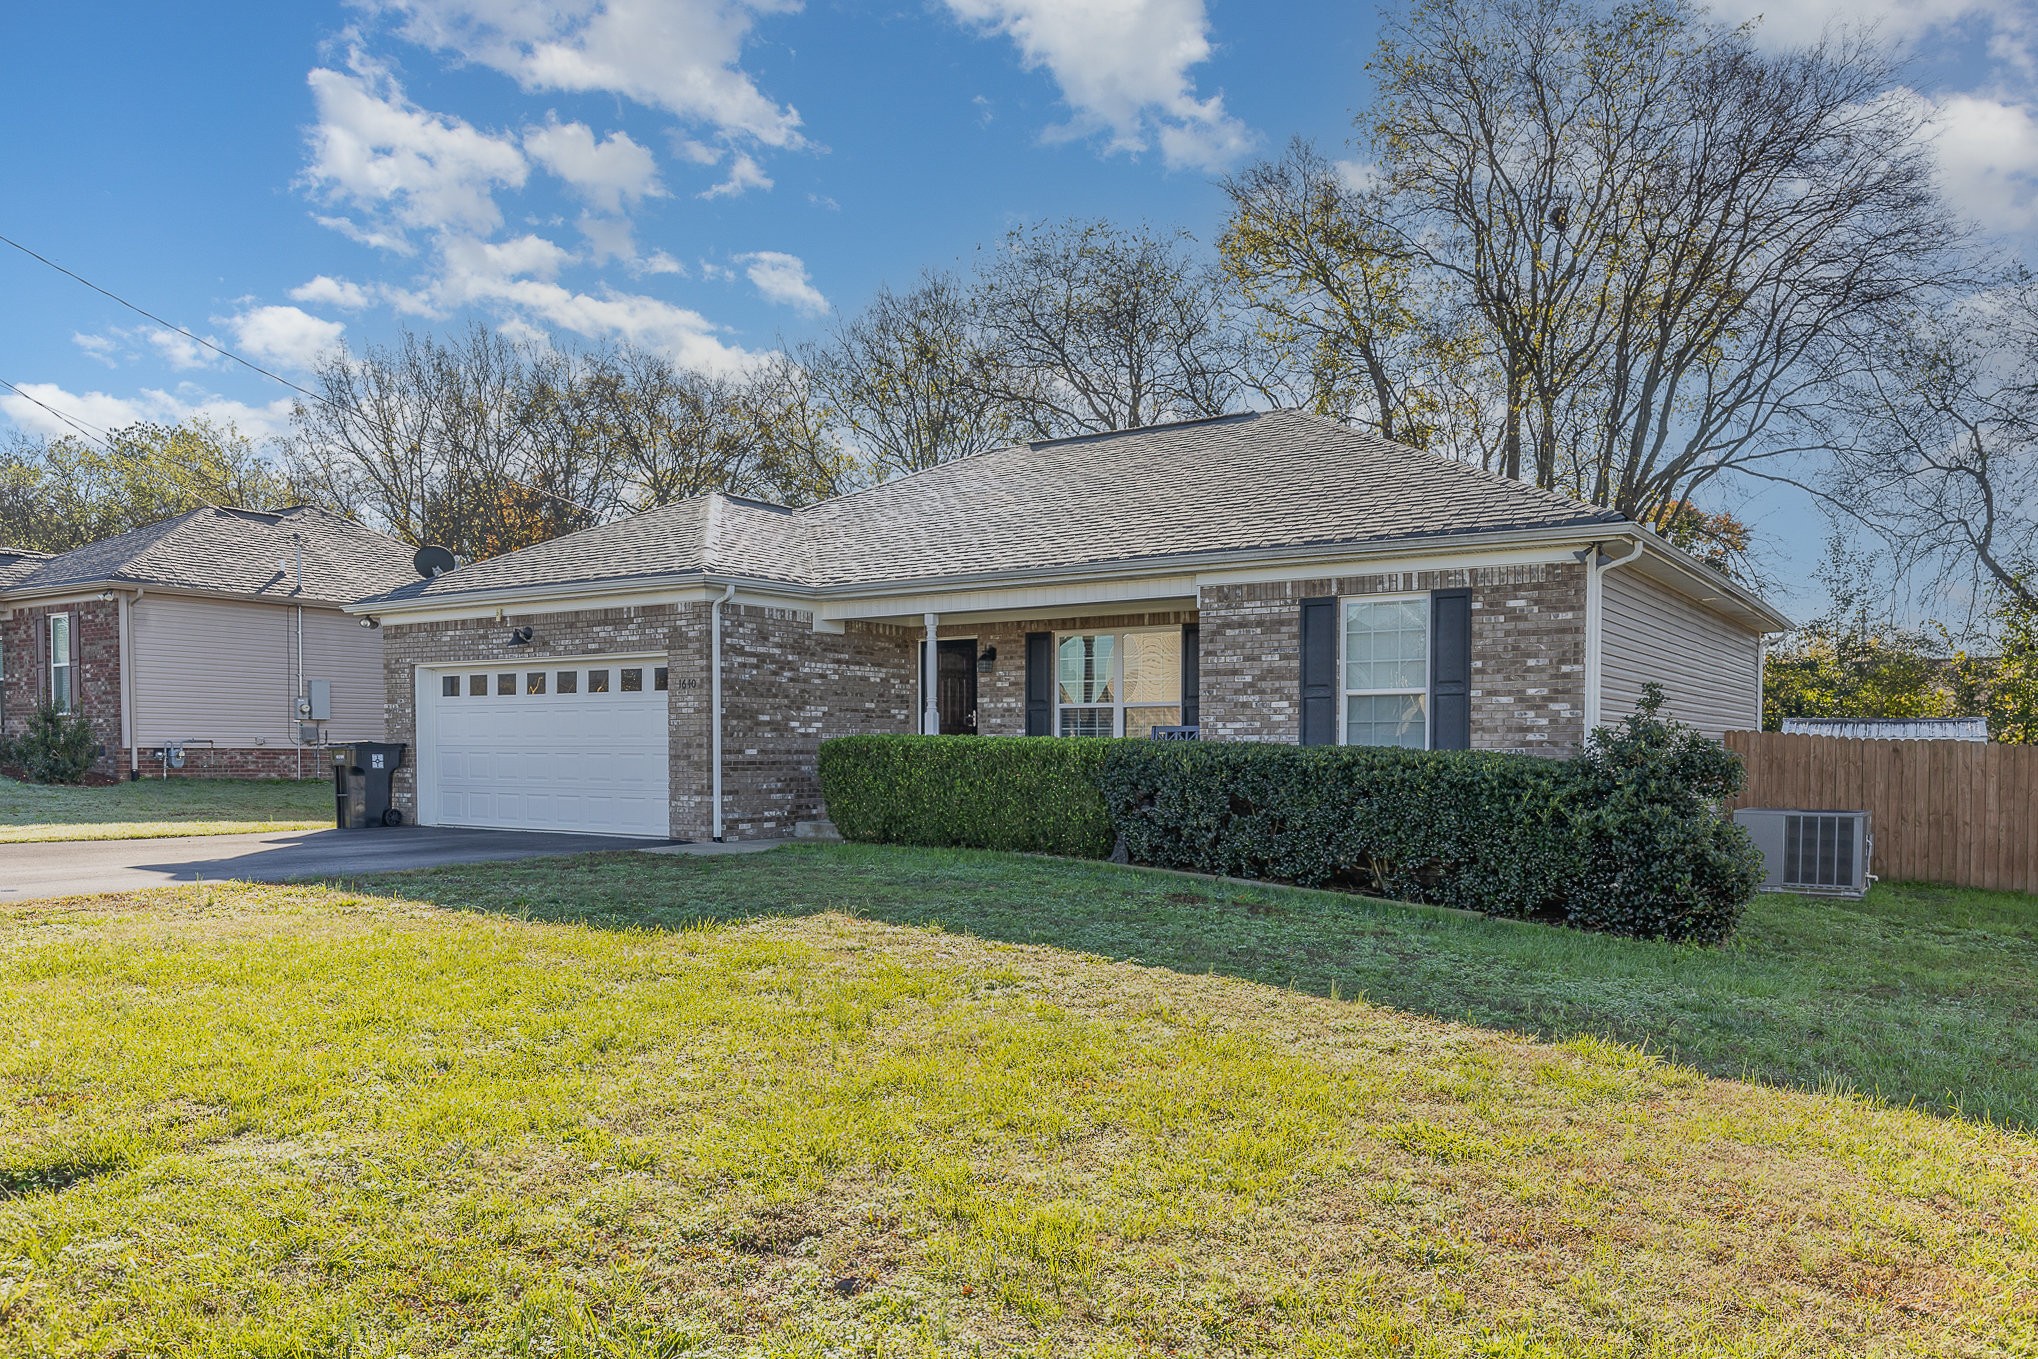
(930, 719)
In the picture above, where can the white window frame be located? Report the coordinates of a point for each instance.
(60, 659)
(1345, 693)
(1118, 705)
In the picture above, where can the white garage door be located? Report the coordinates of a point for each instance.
(569, 746)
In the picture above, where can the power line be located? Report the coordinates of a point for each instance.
(100, 438)
(218, 349)
(249, 364)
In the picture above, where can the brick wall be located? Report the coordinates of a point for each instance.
(24, 642)
(786, 688)
(1528, 653)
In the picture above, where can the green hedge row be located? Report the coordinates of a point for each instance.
(1626, 837)
(985, 792)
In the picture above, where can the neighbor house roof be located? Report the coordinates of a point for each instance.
(1282, 479)
(230, 551)
(16, 562)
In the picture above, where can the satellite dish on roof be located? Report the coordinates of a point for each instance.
(432, 560)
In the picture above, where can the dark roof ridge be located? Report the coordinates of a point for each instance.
(1144, 429)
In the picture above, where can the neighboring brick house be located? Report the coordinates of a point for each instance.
(1273, 577)
(202, 634)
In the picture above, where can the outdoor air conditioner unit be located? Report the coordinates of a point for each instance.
(1815, 852)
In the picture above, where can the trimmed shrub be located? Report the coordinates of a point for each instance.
(983, 792)
(54, 747)
(1481, 831)
(1658, 859)
(1627, 837)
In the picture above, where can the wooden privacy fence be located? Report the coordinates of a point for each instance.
(1958, 812)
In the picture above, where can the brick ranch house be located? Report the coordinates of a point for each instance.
(1270, 577)
(202, 632)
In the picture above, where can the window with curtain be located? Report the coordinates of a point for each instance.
(1386, 672)
(1118, 683)
(63, 684)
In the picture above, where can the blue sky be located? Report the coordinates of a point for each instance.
(705, 177)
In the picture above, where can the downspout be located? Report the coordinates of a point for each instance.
(298, 745)
(930, 717)
(715, 705)
(1597, 566)
(134, 757)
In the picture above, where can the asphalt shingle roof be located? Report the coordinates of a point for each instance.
(232, 551)
(1273, 480)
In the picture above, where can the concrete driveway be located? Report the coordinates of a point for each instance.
(74, 867)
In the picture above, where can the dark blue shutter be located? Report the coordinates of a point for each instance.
(1319, 671)
(1450, 670)
(1192, 675)
(1040, 684)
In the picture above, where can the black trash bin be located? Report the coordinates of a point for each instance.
(361, 775)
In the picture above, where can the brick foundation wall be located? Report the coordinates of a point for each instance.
(24, 639)
(246, 762)
(1528, 653)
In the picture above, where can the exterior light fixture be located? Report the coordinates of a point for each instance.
(987, 660)
(520, 636)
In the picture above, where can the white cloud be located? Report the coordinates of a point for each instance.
(327, 291)
(518, 280)
(100, 347)
(608, 172)
(378, 153)
(682, 56)
(745, 174)
(124, 344)
(1791, 22)
(1124, 69)
(1988, 160)
(782, 278)
(289, 337)
(101, 410)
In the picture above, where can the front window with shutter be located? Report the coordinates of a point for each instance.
(63, 684)
(1386, 672)
(1118, 683)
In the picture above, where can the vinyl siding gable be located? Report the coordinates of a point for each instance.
(1710, 668)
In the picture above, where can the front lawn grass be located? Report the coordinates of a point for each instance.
(640, 1106)
(1922, 995)
(152, 808)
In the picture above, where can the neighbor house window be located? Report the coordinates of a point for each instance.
(1386, 672)
(63, 684)
(1118, 683)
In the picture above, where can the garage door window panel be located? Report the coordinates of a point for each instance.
(597, 681)
(569, 681)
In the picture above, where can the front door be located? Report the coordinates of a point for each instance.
(955, 687)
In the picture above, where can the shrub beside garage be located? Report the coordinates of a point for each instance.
(1628, 836)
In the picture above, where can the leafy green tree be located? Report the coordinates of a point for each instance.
(1853, 662)
(57, 494)
(2001, 684)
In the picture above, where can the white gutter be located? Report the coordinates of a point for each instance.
(1595, 623)
(715, 705)
(298, 540)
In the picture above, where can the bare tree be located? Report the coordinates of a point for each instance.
(1644, 253)
(1944, 462)
(1332, 291)
(1092, 327)
(910, 380)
